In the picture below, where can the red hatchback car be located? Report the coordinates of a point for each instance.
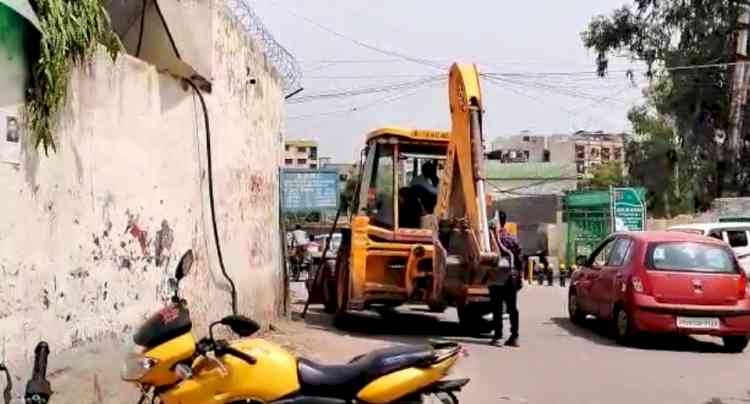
(663, 282)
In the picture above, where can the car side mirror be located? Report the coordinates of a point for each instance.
(581, 260)
(241, 325)
(183, 268)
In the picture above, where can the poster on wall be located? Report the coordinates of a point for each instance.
(10, 138)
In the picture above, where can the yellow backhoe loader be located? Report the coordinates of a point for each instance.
(417, 218)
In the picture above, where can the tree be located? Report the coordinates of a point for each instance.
(609, 174)
(686, 47)
(655, 162)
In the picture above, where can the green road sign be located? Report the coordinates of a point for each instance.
(628, 209)
(593, 214)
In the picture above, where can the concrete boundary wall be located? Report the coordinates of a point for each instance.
(91, 234)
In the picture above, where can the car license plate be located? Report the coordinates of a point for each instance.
(698, 323)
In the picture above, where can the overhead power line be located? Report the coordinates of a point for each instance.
(369, 90)
(357, 108)
(420, 61)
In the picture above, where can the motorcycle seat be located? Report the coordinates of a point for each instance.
(345, 381)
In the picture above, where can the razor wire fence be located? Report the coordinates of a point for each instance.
(277, 55)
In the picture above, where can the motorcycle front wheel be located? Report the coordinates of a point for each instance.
(441, 397)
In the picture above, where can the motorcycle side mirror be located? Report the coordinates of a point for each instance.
(581, 260)
(241, 325)
(183, 268)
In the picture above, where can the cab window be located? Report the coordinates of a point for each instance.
(419, 169)
(380, 194)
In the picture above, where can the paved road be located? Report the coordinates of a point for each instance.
(557, 362)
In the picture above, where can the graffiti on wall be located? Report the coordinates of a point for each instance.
(256, 189)
(134, 248)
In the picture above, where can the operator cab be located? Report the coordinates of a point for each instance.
(400, 180)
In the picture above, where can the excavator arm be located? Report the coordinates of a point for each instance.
(463, 250)
(462, 194)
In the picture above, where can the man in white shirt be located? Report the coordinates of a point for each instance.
(299, 237)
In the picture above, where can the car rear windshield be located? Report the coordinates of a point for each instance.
(691, 257)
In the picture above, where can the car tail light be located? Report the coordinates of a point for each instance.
(637, 284)
(742, 287)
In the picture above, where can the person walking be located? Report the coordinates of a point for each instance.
(299, 245)
(506, 281)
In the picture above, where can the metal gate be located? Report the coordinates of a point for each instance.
(592, 215)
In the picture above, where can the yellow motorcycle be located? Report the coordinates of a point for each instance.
(168, 364)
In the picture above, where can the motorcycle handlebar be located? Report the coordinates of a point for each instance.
(38, 389)
(240, 355)
(40, 361)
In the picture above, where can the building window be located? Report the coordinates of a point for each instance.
(313, 153)
(618, 153)
(527, 138)
(580, 152)
(605, 153)
(288, 162)
(301, 149)
(545, 156)
(286, 147)
(313, 166)
(594, 153)
(580, 167)
(302, 162)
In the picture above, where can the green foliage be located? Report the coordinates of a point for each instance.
(689, 106)
(71, 30)
(656, 163)
(608, 174)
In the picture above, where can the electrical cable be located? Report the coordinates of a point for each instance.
(356, 108)
(551, 88)
(423, 62)
(206, 123)
(166, 28)
(369, 90)
(140, 33)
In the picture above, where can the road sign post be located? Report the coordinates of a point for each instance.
(628, 209)
(305, 191)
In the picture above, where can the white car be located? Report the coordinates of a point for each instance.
(736, 234)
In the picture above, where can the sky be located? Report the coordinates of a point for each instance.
(542, 81)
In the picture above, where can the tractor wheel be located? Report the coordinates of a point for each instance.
(342, 284)
(329, 289)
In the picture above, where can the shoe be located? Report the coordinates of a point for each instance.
(512, 341)
(495, 342)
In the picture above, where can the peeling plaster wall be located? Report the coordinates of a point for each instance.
(91, 233)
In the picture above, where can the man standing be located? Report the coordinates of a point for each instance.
(506, 281)
(299, 237)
